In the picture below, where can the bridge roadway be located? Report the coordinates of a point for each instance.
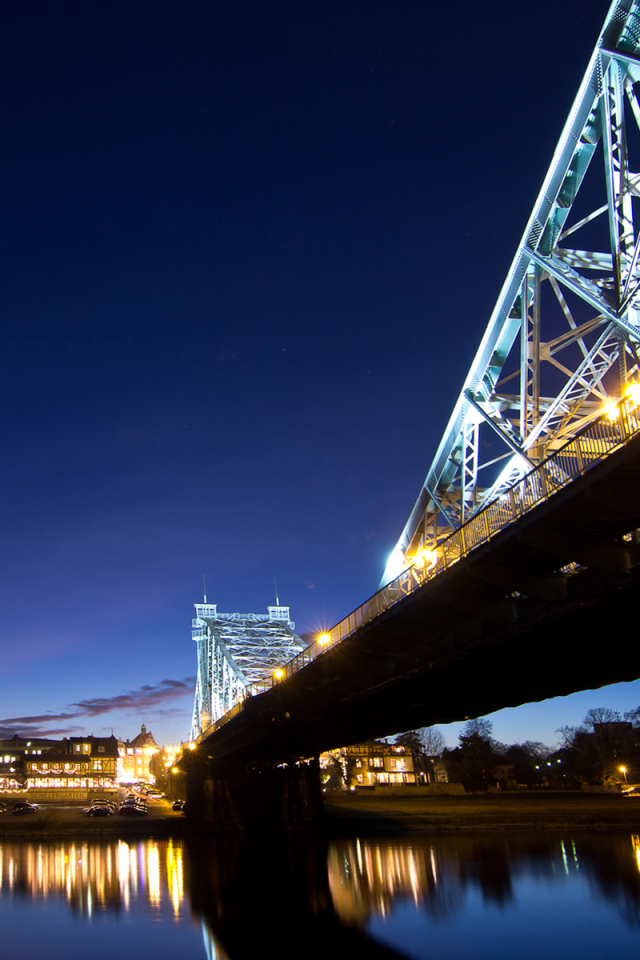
(499, 628)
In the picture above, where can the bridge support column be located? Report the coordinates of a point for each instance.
(231, 796)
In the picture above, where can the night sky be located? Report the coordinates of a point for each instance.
(247, 251)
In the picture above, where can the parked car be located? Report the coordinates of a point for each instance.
(100, 811)
(135, 802)
(178, 805)
(133, 810)
(21, 807)
(107, 804)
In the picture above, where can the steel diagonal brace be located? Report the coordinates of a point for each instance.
(579, 377)
(581, 286)
(625, 58)
(498, 429)
(584, 289)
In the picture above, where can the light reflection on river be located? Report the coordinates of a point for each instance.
(451, 896)
(94, 876)
(493, 895)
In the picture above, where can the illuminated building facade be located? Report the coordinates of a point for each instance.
(371, 765)
(14, 752)
(235, 650)
(135, 756)
(73, 769)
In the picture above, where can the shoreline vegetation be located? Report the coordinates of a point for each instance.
(348, 815)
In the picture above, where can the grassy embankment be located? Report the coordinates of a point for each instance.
(507, 811)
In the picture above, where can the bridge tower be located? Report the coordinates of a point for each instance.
(564, 336)
(235, 650)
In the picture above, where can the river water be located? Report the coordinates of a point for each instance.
(479, 896)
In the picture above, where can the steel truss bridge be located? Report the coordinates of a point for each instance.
(234, 650)
(514, 579)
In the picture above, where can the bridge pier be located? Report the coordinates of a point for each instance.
(231, 796)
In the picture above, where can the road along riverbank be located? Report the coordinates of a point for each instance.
(57, 820)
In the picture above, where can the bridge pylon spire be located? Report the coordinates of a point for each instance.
(564, 335)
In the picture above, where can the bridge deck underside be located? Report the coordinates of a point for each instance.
(500, 628)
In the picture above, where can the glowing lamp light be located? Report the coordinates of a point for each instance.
(324, 639)
(632, 393)
(426, 557)
(610, 410)
(278, 674)
(192, 745)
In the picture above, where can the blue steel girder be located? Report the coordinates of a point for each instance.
(565, 330)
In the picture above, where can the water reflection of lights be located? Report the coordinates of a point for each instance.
(96, 876)
(367, 879)
(364, 878)
(175, 875)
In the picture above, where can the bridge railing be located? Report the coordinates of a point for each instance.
(592, 445)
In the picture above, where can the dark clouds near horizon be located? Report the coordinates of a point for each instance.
(148, 699)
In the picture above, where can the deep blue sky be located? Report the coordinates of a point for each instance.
(247, 251)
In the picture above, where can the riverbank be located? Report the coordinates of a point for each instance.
(348, 813)
(53, 821)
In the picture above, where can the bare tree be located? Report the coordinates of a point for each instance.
(633, 716)
(536, 750)
(568, 736)
(424, 742)
(432, 741)
(479, 726)
(599, 715)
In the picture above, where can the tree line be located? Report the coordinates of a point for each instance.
(603, 749)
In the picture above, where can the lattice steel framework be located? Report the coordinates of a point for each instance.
(235, 649)
(564, 336)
